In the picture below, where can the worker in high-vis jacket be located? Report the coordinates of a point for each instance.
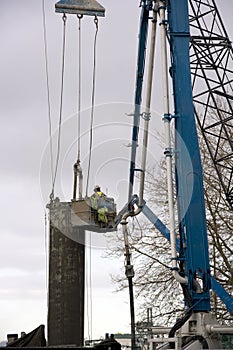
(98, 203)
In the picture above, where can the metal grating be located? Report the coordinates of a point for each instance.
(80, 7)
(211, 59)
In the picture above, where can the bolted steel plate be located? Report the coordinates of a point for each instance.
(81, 7)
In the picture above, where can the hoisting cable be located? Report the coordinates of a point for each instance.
(46, 250)
(79, 83)
(61, 105)
(50, 144)
(77, 167)
(92, 105)
(47, 88)
(88, 289)
(90, 286)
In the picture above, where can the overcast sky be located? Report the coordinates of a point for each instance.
(25, 169)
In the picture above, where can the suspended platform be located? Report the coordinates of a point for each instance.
(80, 214)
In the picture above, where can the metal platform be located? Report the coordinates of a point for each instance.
(80, 7)
(66, 216)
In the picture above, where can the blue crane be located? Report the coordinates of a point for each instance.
(197, 58)
(190, 256)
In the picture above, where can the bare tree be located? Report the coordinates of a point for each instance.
(154, 284)
(220, 225)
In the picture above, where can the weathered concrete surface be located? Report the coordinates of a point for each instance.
(66, 279)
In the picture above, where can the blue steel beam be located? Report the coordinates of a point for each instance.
(216, 286)
(145, 12)
(189, 184)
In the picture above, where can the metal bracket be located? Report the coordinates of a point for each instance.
(129, 271)
(146, 116)
(167, 116)
(168, 152)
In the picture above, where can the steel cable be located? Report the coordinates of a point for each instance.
(50, 140)
(88, 289)
(92, 107)
(79, 86)
(47, 88)
(61, 106)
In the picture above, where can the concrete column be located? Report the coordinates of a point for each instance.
(66, 279)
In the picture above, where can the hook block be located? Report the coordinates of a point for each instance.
(80, 7)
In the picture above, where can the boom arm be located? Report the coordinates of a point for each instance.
(211, 68)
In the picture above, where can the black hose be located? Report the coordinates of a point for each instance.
(181, 321)
(201, 339)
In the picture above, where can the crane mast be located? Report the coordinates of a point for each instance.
(189, 185)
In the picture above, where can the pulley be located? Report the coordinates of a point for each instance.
(80, 7)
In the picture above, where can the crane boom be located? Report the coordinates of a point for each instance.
(211, 56)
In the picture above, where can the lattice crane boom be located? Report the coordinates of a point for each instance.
(211, 62)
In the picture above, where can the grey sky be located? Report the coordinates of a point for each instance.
(25, 170)
(24, 136)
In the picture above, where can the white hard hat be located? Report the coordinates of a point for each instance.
(96, 187)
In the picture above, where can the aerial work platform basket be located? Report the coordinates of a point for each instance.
(81, 214)
(102, 218)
